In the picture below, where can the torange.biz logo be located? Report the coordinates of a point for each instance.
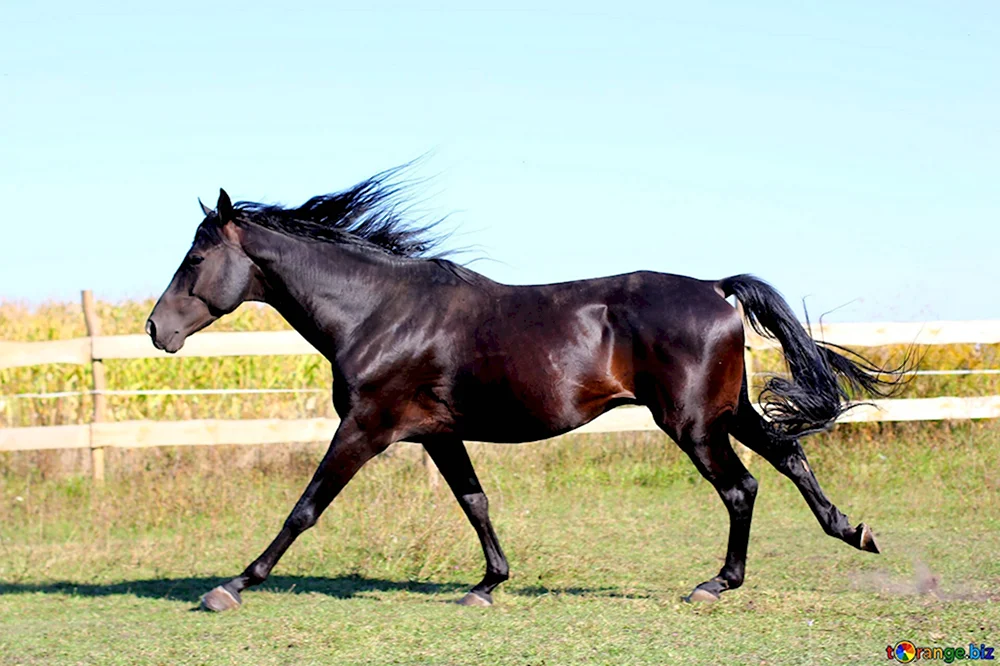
(905, 651)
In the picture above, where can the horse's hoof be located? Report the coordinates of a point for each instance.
(479, 599)
(701, 595)
(220, 599)
(867, 540)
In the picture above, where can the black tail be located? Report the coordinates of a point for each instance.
(823, 376)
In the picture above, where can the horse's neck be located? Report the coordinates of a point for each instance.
(325, 291)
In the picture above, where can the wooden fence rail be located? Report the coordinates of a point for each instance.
(208, 432)
(82, 351)
(101, 434)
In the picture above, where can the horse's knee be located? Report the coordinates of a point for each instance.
(302, 518)
(740, 497)
(477, 505)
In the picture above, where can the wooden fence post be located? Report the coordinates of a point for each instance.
(749, 367)
(746, 455)
(433, 474)
(100, 384)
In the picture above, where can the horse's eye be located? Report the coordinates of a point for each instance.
(195, 259)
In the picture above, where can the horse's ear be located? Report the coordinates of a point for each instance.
(225, 208)
(205, 209)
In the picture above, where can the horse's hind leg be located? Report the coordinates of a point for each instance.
(714, 457)
(453, 461)
(787, 457)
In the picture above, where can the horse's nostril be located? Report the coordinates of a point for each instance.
(150, 328)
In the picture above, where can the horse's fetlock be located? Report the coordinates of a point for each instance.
(257, 573)
(733, 579)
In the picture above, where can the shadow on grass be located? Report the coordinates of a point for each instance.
(191, 589)
(341, 587)
(601, 592)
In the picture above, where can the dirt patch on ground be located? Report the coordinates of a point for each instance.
(922, 582)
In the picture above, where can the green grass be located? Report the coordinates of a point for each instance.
(604, 534)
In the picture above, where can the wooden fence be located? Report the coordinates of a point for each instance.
(101, 434)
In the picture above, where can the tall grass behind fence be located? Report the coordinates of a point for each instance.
(972, 357)
(58, 321)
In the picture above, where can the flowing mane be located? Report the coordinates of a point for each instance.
(370, 214)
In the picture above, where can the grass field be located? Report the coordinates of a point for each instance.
(604, 535)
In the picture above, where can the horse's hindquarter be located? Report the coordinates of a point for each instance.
(688, 349)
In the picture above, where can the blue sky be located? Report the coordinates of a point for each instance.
(847, 152)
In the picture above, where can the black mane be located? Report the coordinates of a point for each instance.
(370, 215)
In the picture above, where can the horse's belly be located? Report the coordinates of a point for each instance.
(525, 413)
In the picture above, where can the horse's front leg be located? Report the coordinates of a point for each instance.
(350, 449)
(452, 460)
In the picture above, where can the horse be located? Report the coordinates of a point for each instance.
(426, 350)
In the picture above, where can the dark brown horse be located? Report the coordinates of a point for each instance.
(427, 351)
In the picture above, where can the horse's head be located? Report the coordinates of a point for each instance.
(214, 278)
